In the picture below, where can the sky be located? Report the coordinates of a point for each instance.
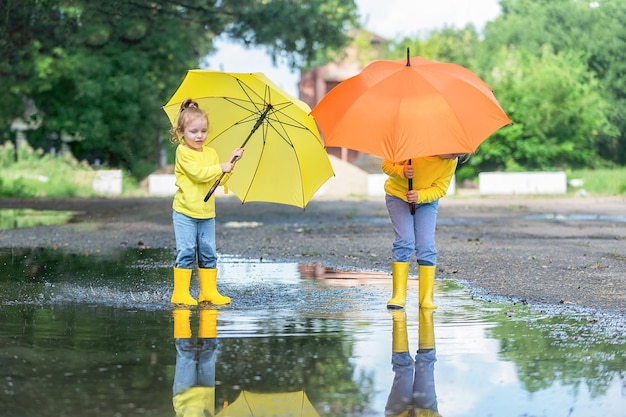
(389, 18)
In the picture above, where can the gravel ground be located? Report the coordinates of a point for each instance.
(545, 251)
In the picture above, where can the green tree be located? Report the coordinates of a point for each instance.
(101, 71)
(594, 30)
(556, 107)
(447, 45)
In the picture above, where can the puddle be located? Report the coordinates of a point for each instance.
(578, 217)
(17, 218)
(91, 336)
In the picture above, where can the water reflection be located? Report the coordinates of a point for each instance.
(193, 391)
(17, 218)
(413, 391)
(194, 378)
(92, 335)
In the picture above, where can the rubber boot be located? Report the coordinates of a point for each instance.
(426, 286)
(208, 288)
(207, 324)
(181, 296)
(399, 335)
(426, 331)
(182, 324)
(399, 277)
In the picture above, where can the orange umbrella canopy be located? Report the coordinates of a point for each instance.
(403, 109)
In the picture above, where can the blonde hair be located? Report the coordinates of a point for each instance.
(189, 110)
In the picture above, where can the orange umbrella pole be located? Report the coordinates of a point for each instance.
(411, 205)
(254, 128)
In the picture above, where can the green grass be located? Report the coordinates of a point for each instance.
(37, 174)
(601, 182)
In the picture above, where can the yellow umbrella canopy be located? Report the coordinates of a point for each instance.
(284, 404)
(284, 160)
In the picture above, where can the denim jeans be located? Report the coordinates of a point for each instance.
(195, 242)
(413, 383)
(413, 233)
(195, 363)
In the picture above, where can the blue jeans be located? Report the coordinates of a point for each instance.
(413, 383)
(413, 233)
(195, 363)
(195, 242)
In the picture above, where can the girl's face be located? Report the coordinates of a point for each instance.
(195, 132)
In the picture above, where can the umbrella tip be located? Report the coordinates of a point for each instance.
(408, 57)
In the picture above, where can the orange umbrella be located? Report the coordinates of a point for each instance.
(400, 110)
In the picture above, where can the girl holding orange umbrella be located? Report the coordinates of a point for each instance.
(428, 181)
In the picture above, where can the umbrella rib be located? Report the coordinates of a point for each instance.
(285, 138)
(240, 103)
(248, 91)
(257, 166)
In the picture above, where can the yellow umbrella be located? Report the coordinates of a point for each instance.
(284, 404)
(284, 161)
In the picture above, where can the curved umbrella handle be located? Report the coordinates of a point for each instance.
(214, 187)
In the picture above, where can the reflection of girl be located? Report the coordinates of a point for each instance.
(415, 233)
(194, 377)
(413, 388)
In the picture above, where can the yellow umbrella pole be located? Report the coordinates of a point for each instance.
(254, 128)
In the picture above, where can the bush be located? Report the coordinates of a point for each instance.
(37, 174)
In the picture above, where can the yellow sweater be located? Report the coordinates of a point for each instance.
(431, 178)
(196, 172)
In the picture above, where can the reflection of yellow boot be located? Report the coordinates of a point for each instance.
(426, 329)
(182, 325)
(208, 287)
(399, 335)
(426, 286)
(421, 412)
(182, 279)
(207, 326)
(399, 277)
(198, 401)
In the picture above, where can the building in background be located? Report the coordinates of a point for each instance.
(316, 82)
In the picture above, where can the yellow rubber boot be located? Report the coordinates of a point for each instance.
(207, 324)
(208, 287)
(426, 331)
(182, 324)
(426, 286)
(399, 334)
(399, 277)
(181, 296)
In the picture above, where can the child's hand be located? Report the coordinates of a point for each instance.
(408, 171)
(236, 155)
(227, 167)
(411, 196)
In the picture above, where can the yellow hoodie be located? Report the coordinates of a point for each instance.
(196, 172)
(431, 178)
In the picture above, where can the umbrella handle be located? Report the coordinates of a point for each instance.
(411, 205)
(217, 183)
(214, 187)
